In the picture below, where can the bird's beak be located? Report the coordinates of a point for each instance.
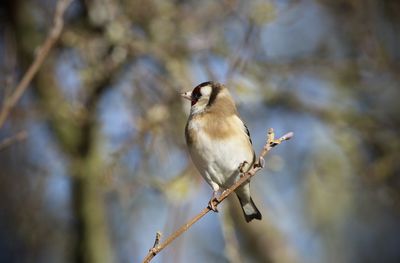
(187, 95)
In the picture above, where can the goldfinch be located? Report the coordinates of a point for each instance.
(219, 142)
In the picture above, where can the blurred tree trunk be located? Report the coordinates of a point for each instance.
(92, 244)
(76, 135)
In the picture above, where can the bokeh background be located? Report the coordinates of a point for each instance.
(102, 164)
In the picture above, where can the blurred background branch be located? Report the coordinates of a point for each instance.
(41, 55)
(15, 138)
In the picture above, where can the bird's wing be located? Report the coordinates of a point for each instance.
(248, 133)
(249, 138)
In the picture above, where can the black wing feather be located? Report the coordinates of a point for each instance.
(248, 133)
(254, 154)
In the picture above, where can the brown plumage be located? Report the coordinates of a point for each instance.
(219, 141)
(215, 115)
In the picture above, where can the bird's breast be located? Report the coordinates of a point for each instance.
(217, 157)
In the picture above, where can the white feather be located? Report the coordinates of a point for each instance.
(218, 159)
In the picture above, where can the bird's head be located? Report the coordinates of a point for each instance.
(203, 95)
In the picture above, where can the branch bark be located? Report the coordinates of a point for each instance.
(271, 142)
(41, 55)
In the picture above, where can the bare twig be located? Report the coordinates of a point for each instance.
(271, 142)
(22, 135)
(156, 242)
(38, 61)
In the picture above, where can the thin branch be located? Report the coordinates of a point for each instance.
(157, 240)
(41, 55)
(22, 135)
(238, 60)
(271, 142)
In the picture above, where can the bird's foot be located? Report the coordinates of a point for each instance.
(241, 166)
(212, 204)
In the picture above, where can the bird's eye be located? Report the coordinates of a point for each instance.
(196, 94)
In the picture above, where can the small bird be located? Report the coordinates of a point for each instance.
(219, 142)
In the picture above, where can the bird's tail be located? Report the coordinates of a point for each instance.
(250, 210)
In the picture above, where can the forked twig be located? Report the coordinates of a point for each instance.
(271, 143)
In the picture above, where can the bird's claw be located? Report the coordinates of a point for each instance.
(241, 166)
(211, 204)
